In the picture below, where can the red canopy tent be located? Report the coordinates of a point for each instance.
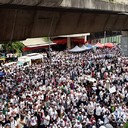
(99, 45)
(109, 45)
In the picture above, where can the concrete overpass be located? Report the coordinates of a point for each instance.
(21, 19)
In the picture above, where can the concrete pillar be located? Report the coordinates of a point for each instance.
(68, 42)
(124, 43)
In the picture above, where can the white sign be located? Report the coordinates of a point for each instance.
(112, 90)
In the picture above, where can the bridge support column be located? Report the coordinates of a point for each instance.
(124, 43)
(68, 42)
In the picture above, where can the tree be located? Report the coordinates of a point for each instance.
(15, 47)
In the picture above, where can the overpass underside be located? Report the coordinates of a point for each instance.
(19, 23)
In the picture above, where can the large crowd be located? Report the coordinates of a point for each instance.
(67, 90)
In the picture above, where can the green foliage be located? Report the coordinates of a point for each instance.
(47, 39)
(16, 47)
(126, 125)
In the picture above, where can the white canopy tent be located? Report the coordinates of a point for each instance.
(76, 49)
(85, 48)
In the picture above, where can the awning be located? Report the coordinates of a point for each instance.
(36, 43)
(35, 56)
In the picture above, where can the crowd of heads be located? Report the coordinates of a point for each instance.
(67, 90)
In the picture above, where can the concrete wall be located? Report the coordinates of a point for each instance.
(47, 3)
(124, 45)
(65, 17)
(79, 4)
(117, 1)
(95, 5)
(19, 24)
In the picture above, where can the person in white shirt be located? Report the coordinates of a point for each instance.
(33, 121)
(98, 112)
(13, 123)
(78, 125)
(54, 114)
(90, 109)
(46, 120)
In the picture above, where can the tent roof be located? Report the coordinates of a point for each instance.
(89, 46)
(76, 49)
(36, 42)
(85, 47)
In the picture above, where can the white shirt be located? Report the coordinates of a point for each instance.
(54, 114)
(13, 124)
(106, 120)
(102, 126)
(33, 121)
(47, 120)
(98, 111)
(78, 125)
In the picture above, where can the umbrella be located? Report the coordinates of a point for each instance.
(109, 45)
(99, 45)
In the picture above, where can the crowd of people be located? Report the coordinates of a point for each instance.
(67, 90)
